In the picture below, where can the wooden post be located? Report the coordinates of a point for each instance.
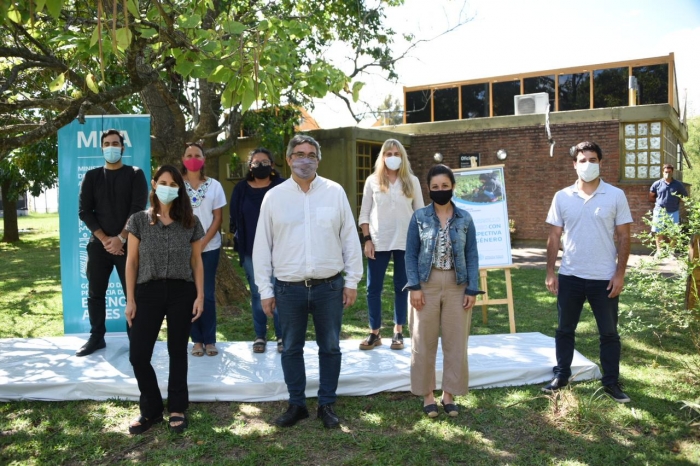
(485, 300)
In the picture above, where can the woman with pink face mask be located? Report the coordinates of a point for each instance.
(391, 194)
(207, 198)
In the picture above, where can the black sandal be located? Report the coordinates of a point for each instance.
(280, 345)
(180, 428)
(431, 410)
(451, 409)
(144, 424)
(259, 345)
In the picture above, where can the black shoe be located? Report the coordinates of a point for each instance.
(329, 418)
(615, 392)
(371, 341)
(294, 414)
(555, 385)
(92, 345)
(397, 341)
(431, 410)
(451, 409)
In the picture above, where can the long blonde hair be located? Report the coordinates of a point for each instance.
(404, 170)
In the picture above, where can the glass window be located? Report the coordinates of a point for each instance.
(475, 101)
(643, 154)
(446, 104)
(367, 154)
(574, 91)
(653, 84)
(418, 106)
(610, 88)
(541, 84)
(503, 93)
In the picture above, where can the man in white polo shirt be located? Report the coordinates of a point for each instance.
(591, 213)
(306, 236)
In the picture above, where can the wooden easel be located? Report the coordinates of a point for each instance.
(485, 300)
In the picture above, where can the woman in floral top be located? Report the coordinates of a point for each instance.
(207, 198)
(442, 268)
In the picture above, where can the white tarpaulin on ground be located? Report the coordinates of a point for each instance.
(47, 369)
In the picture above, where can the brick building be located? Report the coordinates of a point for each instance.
(629, 108)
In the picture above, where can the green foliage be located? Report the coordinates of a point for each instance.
(667, 293)
(273, 126)
(390, 111)
(207, 58)
(692, 148)
(32, 168)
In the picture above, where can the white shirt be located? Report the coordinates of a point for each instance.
(306, 235)
(214, 198)
(388, 213)
(589, 226)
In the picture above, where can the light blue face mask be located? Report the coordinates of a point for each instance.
(166, 194)
(112, 154)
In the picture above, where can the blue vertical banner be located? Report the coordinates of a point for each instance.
(79, 150)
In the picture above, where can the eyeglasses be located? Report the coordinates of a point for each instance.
(264, 163)
(302, 155)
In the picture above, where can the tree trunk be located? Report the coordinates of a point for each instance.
(9, 219)
(230, 288)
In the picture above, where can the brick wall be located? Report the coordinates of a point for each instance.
(531, 176)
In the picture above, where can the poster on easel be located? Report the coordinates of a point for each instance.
(481, 191)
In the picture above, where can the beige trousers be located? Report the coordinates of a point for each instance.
(442, 313)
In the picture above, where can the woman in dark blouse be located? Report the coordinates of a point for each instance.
(245, 204)
(164, 279)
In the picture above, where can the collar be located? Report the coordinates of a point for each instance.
(602, 187)
(314, 182)
(456, 211)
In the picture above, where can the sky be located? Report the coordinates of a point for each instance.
(517, 36)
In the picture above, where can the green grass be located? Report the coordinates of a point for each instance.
(513, 425)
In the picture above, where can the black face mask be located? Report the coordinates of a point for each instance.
(441, 197)
(261, 171)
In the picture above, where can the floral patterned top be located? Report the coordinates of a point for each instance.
(196, 195)
(442, 254)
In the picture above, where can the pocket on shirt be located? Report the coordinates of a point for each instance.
(325, 216)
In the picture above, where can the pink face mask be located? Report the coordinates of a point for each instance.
(194, 164)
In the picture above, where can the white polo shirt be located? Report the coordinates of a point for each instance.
(589, 227)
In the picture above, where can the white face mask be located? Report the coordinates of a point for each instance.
(393, 162)
(588, 171)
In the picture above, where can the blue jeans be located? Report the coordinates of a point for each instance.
(573, 292)
(325, 304)
(376, 269)
(204, 328)
(259, 317)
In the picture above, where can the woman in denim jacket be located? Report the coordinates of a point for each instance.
(442, 267)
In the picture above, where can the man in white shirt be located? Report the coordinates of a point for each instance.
(306, 236)
(591, 213)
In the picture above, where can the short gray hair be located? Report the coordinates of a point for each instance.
(300, 139)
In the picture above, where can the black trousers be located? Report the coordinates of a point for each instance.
(156, 300)
(100, 264)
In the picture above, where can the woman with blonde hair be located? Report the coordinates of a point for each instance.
(392, 193)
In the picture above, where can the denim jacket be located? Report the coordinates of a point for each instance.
(420, 244)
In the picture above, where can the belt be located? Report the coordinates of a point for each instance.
(309, 282)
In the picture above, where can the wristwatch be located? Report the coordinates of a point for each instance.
(367, 238)
(121, 238)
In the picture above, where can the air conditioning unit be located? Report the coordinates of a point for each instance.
(529, 104)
